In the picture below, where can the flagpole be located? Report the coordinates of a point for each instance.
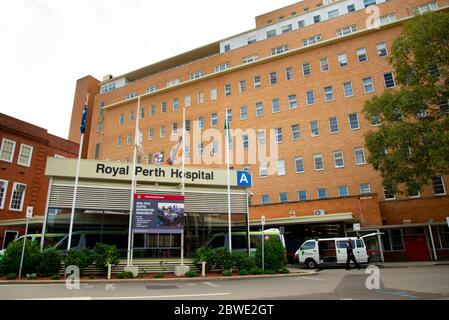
(229, 180)
(133, 183)
(72, 214)
(183, 185)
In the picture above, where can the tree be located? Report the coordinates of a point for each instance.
(412, 142)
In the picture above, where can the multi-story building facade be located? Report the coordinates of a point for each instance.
(303, 74)
(23, 156)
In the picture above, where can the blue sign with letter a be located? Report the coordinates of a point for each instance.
(244, 179)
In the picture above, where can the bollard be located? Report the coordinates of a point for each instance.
(109, 271)
(203, 269)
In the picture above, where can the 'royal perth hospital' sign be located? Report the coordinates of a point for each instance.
(101, 170)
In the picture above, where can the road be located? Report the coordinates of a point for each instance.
(414, 283)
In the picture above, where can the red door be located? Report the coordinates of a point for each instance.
(416, 248)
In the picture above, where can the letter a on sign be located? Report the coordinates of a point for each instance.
(244, 179)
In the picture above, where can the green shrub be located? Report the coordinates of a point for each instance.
(269, 271)
(284, 271)
(243, 261)
(223, 259)
(243, 272)
(11, 276)
(191, 274)
(32, 276)
(55, 277)
(92, 277)
(275, 257)
(227, 273)
(103, 255)
(256, 271)
(50, 262)
(205, 254)
(159, 275)
(125, 275)
(13, 253)
(79, 258)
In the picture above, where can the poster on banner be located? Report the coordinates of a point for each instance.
(158, 213)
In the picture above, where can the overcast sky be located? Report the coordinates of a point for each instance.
(46, 45)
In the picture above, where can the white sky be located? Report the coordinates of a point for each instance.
(46, 45)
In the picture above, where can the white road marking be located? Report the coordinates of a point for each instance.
(165, 297)
(32, 285)
(309, 278)
(191, 284)
(72, 298)
(210, 284)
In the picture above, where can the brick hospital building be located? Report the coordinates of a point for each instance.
(305, 71)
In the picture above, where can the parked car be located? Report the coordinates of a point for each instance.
(331, 252)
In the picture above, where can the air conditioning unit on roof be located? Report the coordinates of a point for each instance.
(319, 212)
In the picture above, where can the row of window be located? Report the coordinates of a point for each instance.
(7, 152)
(343, 191)
(17, 197)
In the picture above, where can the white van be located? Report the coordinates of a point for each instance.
(331, 252)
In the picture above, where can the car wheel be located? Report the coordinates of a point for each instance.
(311, 264)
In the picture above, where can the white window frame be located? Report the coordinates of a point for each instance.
(280, 200)
(289, 74)
(365, 85)
(12, 151)
(369, 188)
(298, 132)
(392, 77)
(242, 86)
(362, 52)
(273, 77)
(307, 98)
(263, 170)
(330, 127)
(343, 58)
(213, 94)
(444, 188)
(5, 188)
(385, 195)
(306, 67)
(261, 137)
(259, 106)
(318, 193)
(242, 117)
(292, 100)
(347, 189)
(278, 134)
(358, 121)
(119, 142)
(296, 165)
(364, 156)
(322, 64)
(338, 158)
(280, 168)
(311, 131)
(352, 89)
(273, 105)
(382, 46)
(188, 101)
(329, 93)
(15, 184)
(317, 156)
(20, 152)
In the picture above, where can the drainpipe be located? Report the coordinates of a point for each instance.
(44, 223)
(433, 243)
(381, 247)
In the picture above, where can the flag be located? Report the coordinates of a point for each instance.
(175, 153)
(138, 140)
(84, 120)
(158, 158)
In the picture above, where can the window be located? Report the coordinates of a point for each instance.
(17, 197)
(273, 78)
(343, 191)
(382, 49)
(283, 197)
(362, 55)
(214, 150)
(175, 104)
(365, 188)
(25, 155)
(301, 24)
(287, 28)
(322, 193)
(229, 115)
(251, 40)
(151, 134)
(259, 109)
(281, 167)
(200, 98)
(130, 95)
(346, 30)
(227, 90)
(200, 149)
(164, 107)
(278, 135)
(249, 59)
(347, 88)
(119, 142)
(359, 155)
(354, 121)
(222, 67)
(242, 86)
(292, 102)
(299, 165)
(275, 105)
(213, 94)
(121, 120)
(317, 19)
(257, 82)
(131, 116)
(289, 75)
(3, 188)
(389, 80)
(318, 162)
(302, 196)
(263, 170)
(162, 131)
(187, 148)
(339, 160)
(368, 3)
(196, 75)
(306, 70)
(243, 113)
(261, 138)
(389, 18)
(227, 47)
(375, 120)
(333, 14)
(426, 8)
(311, 40)
(187, 126)
(245, 141)
(310, 97)
(333, 125)
(152, 111)
(129, 139)
(142, 113)
(7, 151)
(296, 132)
(389, 194)
(174, 128)
(279, 50)
(151, 89)
(314, 129)
(438, 186)
(200, 123)
(342, 60)
(271, 33)
(328, 93)
(324, 65)
(368, 86)
(265, 198)
(172, 83)
(351, 8)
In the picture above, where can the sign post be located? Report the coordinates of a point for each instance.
(357, 228)
(29, 215)
(263, 243)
